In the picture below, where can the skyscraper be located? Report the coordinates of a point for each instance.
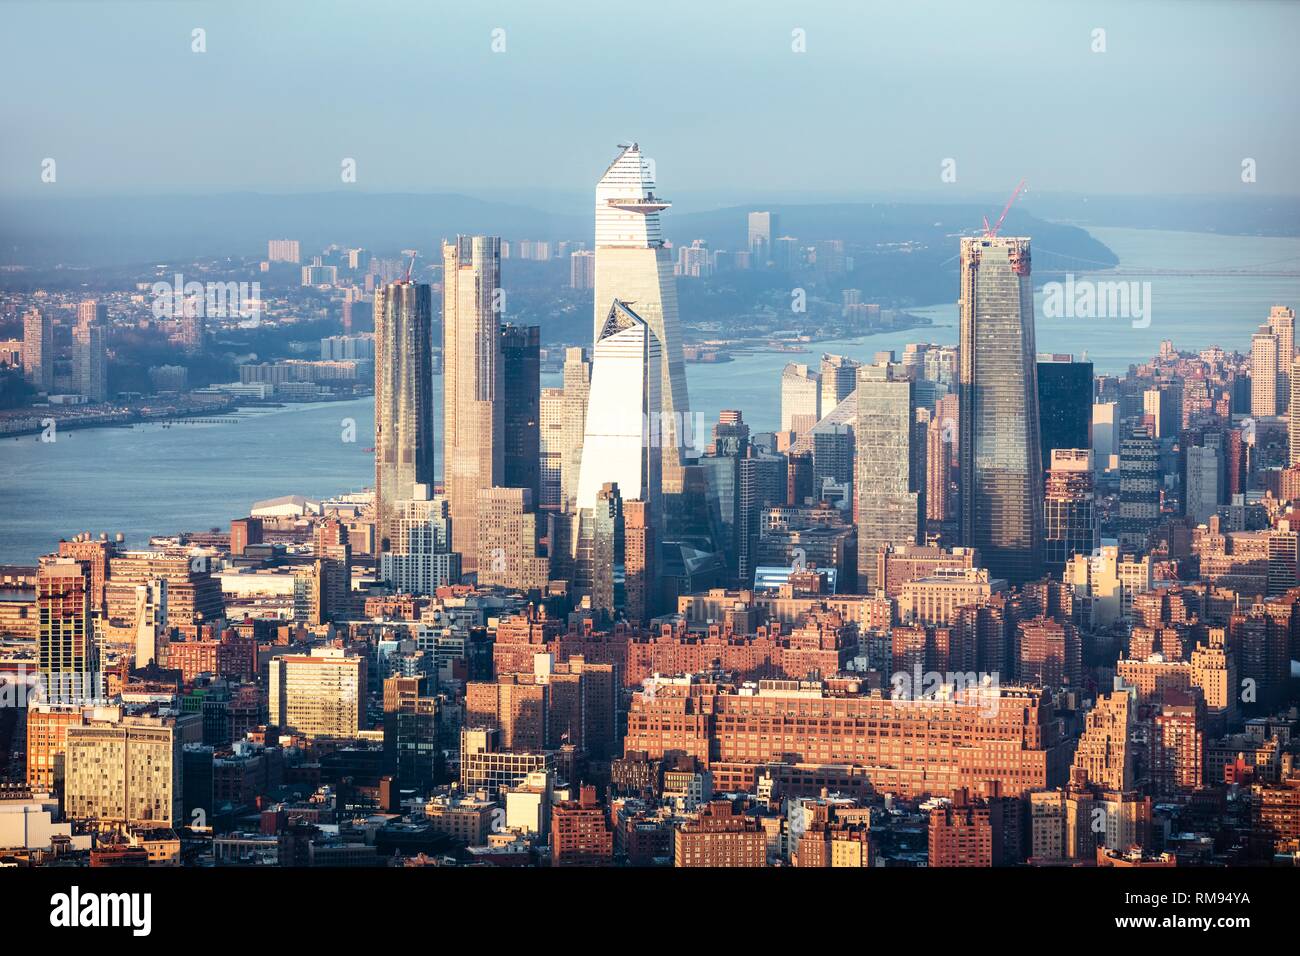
(577, 391)
(67, 652)
(1000, 460)
(1070, 515)
(1281, 322)
(1064, 403)
(521, 416)
(762, 227)
(633, 267)
(1139, 488)
(419, 558)
(801, 390)
(891, 472)
(1293, 414)
(38, 349)
(89, 351)
(839, 377)
(617, 444)
(473, 412)
(404, 450)
(1264, 358)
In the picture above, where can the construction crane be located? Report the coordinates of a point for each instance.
(990, 233)
(411, 264)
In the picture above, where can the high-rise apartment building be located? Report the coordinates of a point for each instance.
(473, 405)
(1000, 459)
(550, 448)
(510, 539)
(38, 349)
(1281, 323)
(419, 559)
(404, 451)
(1139, 488)
(318, 695)
(283, 250)
(67, 651)
(634, 267)
(577, 393)
(1069, 513)
(890, 467)
(582, 269)
(1265, 356)
(90, 351)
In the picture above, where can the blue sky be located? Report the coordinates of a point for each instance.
(712, 90)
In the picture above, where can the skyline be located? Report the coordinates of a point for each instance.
(355, 523)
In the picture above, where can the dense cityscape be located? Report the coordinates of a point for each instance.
(967, 605)
(466, 466)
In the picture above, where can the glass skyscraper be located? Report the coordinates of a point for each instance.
(999, 455)
(403, 398)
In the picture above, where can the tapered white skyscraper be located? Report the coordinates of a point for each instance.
(633, 267)
(618, 445)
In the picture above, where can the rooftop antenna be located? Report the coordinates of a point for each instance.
(991, 233)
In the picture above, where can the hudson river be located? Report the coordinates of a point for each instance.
(154, 479)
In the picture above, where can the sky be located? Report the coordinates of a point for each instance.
(882, 95)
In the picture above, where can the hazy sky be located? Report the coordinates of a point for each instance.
(884, 93)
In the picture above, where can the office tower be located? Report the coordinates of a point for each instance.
(521, 389)
(640, 585)
(800, 398)
(1069, 512)
(420, 559)
(318, 695)
(761, 483)
(89, 351)
(473, 406)
(633, 267)
(1064, 403)
(404, 451)
(1051, 653)
(67, 651)
(550, 448)
(283, 250)
(38, 350)
(582, 269)
(694, 260)
(125, 771)
(1001, 474)
(1264, 359)
(833, 453)
(1103, 755)
(618, 442)
(891, 471)
(1281, 323)
(799, 478)
(721, 462)
(762, 227)
(1139, 488)
(512, 539)
(1203, 488)
(577, 392)
(839, 377)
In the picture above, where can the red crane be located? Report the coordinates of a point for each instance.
(991, 233)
